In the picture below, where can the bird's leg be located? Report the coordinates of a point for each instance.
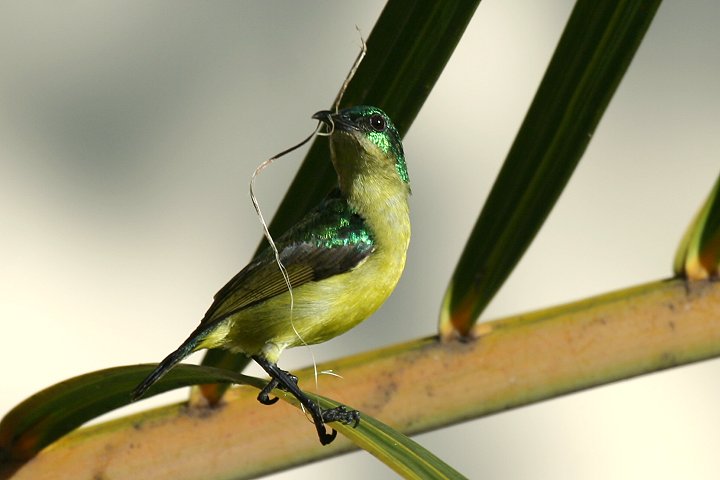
(284, 380)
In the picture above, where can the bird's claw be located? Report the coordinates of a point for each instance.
(327, 438)
(265, 399)
(342, 415)
(337, 414)
(264, 395)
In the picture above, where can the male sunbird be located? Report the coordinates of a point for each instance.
(343, 260)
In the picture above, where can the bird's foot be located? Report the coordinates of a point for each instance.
(342, 415)
(337, 414)
(326, 438)
(264, 395)
(289, 383)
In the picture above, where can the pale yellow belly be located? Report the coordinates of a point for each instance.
(320, 311)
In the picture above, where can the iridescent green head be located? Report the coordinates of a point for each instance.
(372, 134)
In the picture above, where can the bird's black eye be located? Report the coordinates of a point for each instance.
(377, 122)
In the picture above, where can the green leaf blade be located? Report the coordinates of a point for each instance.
(55, 411)
(405, 456)
(597, 46)
(698, 256)
(51, 413)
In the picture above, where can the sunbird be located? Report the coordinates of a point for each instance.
(343, 260)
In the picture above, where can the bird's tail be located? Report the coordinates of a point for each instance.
(187, 347)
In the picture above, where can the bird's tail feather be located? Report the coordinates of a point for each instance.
(187, 347)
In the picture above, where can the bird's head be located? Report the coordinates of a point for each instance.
(366, 147)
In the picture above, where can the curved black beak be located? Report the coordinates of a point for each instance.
(335, 121)
(324, 117)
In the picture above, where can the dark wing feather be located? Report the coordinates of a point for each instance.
(330, 240)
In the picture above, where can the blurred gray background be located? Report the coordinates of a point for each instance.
(129, 130)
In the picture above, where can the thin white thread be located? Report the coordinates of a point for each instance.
(266, 231)
(331, 373)
(256, 205)
(351, 73)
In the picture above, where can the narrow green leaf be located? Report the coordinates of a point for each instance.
(599, 41)
(407, 50)
(403, 455)
(698, 256)
(61, 408)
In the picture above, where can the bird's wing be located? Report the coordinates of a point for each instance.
(330, 240)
